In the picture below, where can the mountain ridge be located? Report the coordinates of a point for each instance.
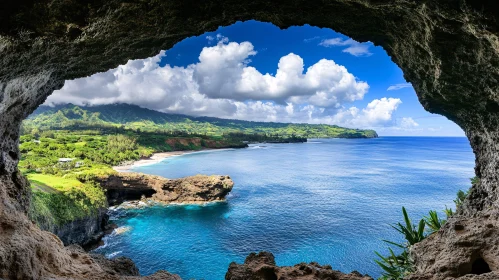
(136, 117)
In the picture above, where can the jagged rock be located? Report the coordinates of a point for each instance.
(193, 189)
(447, 49)
(262, 266)
(463, 247)
(121, 266)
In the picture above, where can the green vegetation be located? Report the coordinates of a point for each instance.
(69, 117)
(433, 222)
(57, 200)
(396, 267)
(64, 149)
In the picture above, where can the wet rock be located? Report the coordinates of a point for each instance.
(262, 266)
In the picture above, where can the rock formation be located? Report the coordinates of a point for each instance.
(193, 189)
(82, 231)
(447, 49)
(262, 266)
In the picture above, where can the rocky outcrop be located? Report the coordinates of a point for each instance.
(447, 49)
(262, 266)
(82, 231)
(193, 189)
(465, 248)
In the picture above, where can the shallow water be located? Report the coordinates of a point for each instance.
(329, 201)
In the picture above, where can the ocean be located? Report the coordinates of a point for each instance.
(328, 200)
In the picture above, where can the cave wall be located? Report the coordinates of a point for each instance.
(447, 49)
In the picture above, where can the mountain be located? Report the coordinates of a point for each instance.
(135, 117)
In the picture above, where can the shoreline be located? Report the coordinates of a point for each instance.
(157, 158)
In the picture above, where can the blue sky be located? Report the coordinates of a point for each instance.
(202, 76)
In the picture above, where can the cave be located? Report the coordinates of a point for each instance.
(447, 49)
(480, 266)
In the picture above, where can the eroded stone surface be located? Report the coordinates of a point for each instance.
(448, 50)
(262, 266)
(193, 189)
(465, 247)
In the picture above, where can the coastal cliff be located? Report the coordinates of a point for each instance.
(194, 189)
(82, 231)
(88, 229)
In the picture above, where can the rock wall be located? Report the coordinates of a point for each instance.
(81, 231)
(448, 50)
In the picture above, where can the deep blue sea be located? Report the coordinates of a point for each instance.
(329, 201)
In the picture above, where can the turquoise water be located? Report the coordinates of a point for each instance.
(329, 201)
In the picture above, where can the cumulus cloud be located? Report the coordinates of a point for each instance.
(352, 47)
(223, 84)
(408, 123)
(399, 86)
(223, 72)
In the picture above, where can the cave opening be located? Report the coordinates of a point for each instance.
(480, 266)
(253, 71)
(50, 58)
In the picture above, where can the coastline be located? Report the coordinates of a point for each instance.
(156, 158)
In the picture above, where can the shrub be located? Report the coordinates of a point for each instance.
(433, 222)
(398, 266)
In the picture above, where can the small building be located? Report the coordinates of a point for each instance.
(65, 160)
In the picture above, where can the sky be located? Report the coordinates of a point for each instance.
(255, 71)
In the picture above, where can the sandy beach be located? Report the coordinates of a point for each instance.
(155, 158)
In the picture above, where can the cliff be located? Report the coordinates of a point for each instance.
(193, 189)
(82, 231)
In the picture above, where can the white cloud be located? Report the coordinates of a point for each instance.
(222, 84)
(222, 38)
(377, 113)
(399, 86)
(223, 72)
(408, 123)
(210, 38)
(352, 47)
(308, 40)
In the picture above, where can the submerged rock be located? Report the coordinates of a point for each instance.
(193, 189)
(262, 266)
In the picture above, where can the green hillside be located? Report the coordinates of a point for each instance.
(134, 117)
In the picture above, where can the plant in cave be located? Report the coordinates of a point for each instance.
(412, 233)
(448, 212)
(395, 266)
(398, 266)
(461, 196)
(475, 180)
(433, 222)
